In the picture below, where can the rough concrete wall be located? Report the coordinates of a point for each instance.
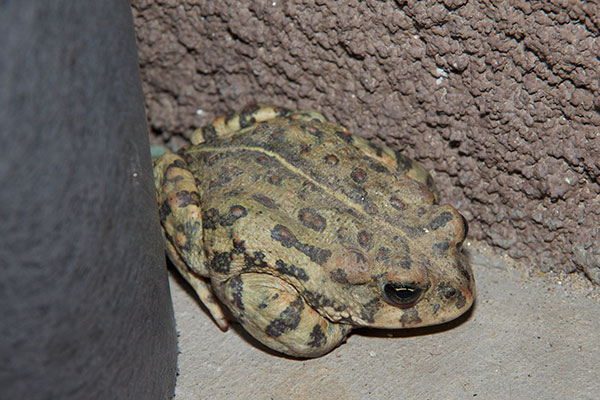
(500, 100)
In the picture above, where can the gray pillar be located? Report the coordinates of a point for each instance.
(85, 311)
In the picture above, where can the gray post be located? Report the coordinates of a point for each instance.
(85, 310)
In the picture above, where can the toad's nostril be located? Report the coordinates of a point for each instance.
(449, 293)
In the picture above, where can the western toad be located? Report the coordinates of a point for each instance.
(304, 231)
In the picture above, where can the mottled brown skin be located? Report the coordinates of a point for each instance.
(304, 231)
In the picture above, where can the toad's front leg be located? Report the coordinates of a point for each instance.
(272, 311)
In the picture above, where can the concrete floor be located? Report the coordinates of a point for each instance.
(527, 337)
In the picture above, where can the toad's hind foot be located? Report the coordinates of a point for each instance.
(274, 313)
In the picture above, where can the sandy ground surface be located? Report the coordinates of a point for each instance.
(526, 337)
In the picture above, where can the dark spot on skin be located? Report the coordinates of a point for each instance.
(410, 316)
(440, 249)
(339, 276)
(274, 180)
(228, 117)
(312, 219)
(318, 301)
(265, 201)
(262, 160)
(331, 160)
(364, 239)
(413, 231)
(214, 158)
(291, 270)
(345, 136)
(238, 245)
(277, 134)
(235, 212)
(397, 203)
(247, 115)
(377, 166)
(404, 163)
(186, 198)
(352, 212)
(186, 246)
(369, 309)
(435, 308)
(209, 132)
(314, 131)
(288, 319)
(450, 293)
(378, 149)
(441, 220)
(282, 111)
(305, 151)
(164, 211)
(283, 235)
(210, 218)
(358, 175)
(232, 193)
(316, 254)
(221, 262)
(317, 336)
(237, 290)
(308, 185)
(287, 239)
(175, 164)
(255, 261)
(405, 263)
(188, 158)
(446, 291)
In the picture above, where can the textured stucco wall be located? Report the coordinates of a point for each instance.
(500, 101)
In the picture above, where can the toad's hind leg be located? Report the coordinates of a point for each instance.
(234, 123)
(272, 311)
(181, 221)
(250, 115)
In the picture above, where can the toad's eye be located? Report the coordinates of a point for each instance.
(403, 295)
